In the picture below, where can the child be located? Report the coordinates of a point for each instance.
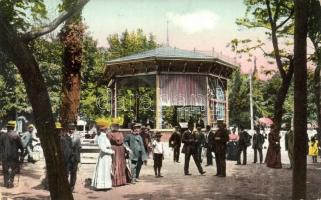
(158, 154)
(313, 149)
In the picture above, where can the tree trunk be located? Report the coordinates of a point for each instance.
(300, 100)
(71, 36)
(280, 99)
(19, 53)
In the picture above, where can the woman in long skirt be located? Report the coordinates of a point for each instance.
(119, 161)
(273, 155)
(102, 175)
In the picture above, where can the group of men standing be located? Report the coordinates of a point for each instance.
(195, 141)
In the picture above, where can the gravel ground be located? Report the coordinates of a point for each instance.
(253, 181)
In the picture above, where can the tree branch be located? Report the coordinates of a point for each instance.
(275, 41)
(268, 7)
(286, 20)
(277, 12)
(65, 15)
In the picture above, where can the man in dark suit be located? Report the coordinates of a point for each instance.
(219, 141)
(258, 141)
(190, 149)
(175, 142)
(244, 142)
(209, 146)
(10, 144)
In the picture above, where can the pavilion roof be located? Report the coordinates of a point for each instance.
(175, 54)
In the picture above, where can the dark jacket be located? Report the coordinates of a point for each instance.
(175, 140)
(200, 139)
(245, 140)
(219, 140)
(258, 141)
(189, 140)
(10, 143)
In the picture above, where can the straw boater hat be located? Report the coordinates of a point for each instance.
(58, 125)
(137, 125)
(30, 126)
(103, 123)
(11, 124)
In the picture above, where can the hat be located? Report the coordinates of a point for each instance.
(117, 120)
(11, 124)
(58, 125)
(30, 126)
(71, 126)
(103, 122)
(137, 125)
(158, 134)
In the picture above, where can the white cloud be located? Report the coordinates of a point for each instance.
(194, 22)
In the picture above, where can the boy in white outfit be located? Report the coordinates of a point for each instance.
(158, 155)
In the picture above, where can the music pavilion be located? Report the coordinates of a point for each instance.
(184, 84)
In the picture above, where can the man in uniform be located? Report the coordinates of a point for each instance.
(190, 149)
(209, 146)
(138, 155)
(219, 141)
(10, 144)
(175, 142)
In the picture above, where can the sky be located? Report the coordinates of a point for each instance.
(201, 25)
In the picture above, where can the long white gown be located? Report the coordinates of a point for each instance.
(102, 174)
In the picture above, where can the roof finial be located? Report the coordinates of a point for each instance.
(167, 36)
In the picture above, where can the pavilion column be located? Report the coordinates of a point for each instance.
(115, 99)
(208, 111)
(158, 103)
(227, 108)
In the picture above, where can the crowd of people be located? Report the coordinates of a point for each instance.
(121, 157)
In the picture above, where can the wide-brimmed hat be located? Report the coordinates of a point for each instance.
(103, 122)
(117, 121)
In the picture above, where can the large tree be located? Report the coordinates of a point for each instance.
(277, 18)
(71, 37)
(300, 100)
(15, 35)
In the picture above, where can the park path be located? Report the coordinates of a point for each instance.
(250, 182)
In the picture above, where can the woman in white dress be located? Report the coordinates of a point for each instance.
(102, 175)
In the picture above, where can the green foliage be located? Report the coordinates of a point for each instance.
(23, 14)
(129, 43)
(95, 98)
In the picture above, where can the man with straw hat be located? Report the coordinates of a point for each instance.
(138, 156)
(10, 144)
(102, 175)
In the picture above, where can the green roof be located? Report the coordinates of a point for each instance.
(175, 53)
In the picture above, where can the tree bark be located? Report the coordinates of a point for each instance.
(71, 36)
(300, 100)
(19, 53)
